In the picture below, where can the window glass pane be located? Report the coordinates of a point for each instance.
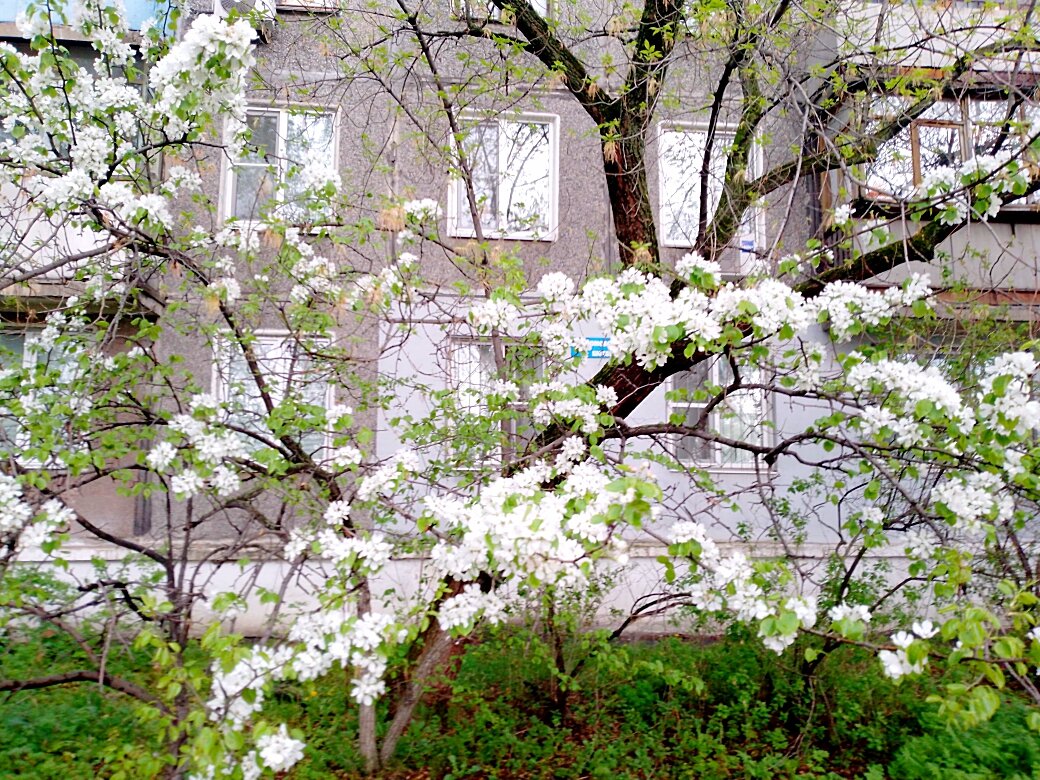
(741, 416)
(892, 173)
(526, 185)
(12, 349)
(263, 145)
(12, 356)
(988, 119)
(944, 111)
(938, 147)
(682, 155)
(692, 380)
(693, 449)
(254, 186)
(308, 145)
(481, 149)
(284, 369)
(474, 367)
(241, 391)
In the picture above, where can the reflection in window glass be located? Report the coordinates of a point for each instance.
(285, 147)
(511, 166)
(308, 146)
(682, 156)
(21, 349)
(286, 370)
(473, 364)
(742, 416)
(938, 146)
(946, 135)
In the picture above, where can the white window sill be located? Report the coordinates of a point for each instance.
(544, 238)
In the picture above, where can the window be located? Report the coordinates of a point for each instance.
(514, 166)
(487, 11)
(473, 375)
(288, 149)
(473, 371)
(21, 349)
(945, 135)
(681, 157)
(478, 10)
(287, 369)
(742, 416)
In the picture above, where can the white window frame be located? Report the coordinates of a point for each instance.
(225, 350)
(317, 6)
(743, 461)
(280, 165)
(966, 129)
(457, 187)
(471, 10)
(751, 235)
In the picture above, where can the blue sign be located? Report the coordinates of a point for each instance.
(136, 10)
(598, 348)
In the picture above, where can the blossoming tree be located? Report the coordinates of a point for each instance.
(229, 383)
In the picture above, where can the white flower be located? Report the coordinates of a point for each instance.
(346, 456)
(924, 629)
(337, 412)
(186, 484)
(902, 640)
(555, 287)
(279, 752)
(693, 261)
(337, 513)
(422, 210)
(227, 289)
(224, 481)
(849, 612)
(842, 215)
(161, 456)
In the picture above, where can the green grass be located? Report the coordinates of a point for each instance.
(672, 708)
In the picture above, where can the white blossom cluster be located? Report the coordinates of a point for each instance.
(185, 85)
(974, 500)
(316, 276)
(1012, 406)
(334, 637)
(954, 190)
(692, 264)
(896, 663)
(731, 583)
(464, 609)
(518, 531)
(229, 701)
(204, 452)
(494, 314)
(641, 318)
(379, 291)
(15, 513)
(910, 384)
(384, 478)
(423, 210)
(844, 611)
(278, 751)
(53, 517)
(847, 304)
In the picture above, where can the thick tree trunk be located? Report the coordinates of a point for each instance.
(434, 656)
(624, 163)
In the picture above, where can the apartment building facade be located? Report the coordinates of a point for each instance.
(443, 135)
